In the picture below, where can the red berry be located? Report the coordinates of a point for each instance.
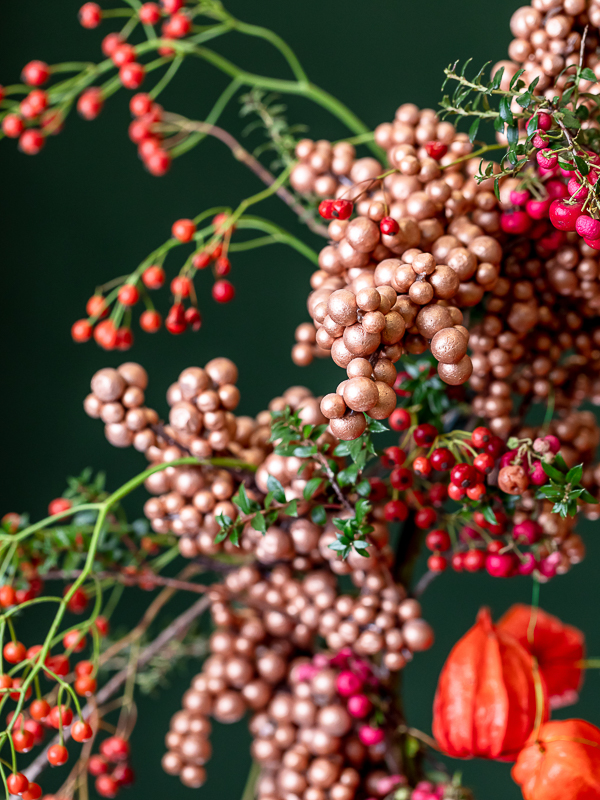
(96, 306)
(58, 665)
(124, 338)
(484, 463)
(150, 321)
(132, 75)
(115, 749)
(84, 667)
(326, 209)
(222, 266)
(378, 489)
(78, 602)
(123, 774)
(401, 478)
(153, 277)
(457, 562)
(128, 294)
(110, 43)
(342, 209)
(17, 783)
(158, 163)
(58, 716)
(474, 560)
(393, 457)
(35, 73)
(495, 447)
(34, 792)
(106, 786)
(399, 419)
(500, 565)
(13, 126)
(425, 518)
(463, 475)
(172, 6)
(106, 335)
(123, 54)
(175, 322)
(564, 215)
(588, 227)
(81, 731)
(181, 286)
(102, 625)
(178, 26)
(395, 510)
(35, 102)
(442, 459)
(546, 158)
(438, 540)
(23, 740)
(74, 641)
(425, 435)
(58, 755)
(14, 652)
(7, 596)
(201, 260)
(59, 505)
(33, 652)
(480, 436)
(223, 292)
(436, 149)
(184, 230)
(90, 103)
(90, 15)
(456, 492)
(422, 466)
(437, 563)
(150, 14)
(31, 141)
(476, 492)
(193, 318)
(388, 226)
(39, 710)
(97, 765)
(85, 686)
(140, 104)
(437, 493)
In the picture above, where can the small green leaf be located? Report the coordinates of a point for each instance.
(343, 449)
(497, 79)
(553, 473)
(586, 497)
(275, 487)
(241, 500)
(488, 515)
(363, 488)
(473, 129)
(311, 487)
(375, 426)
(560, 463)
(360, 544)
(362, 508)
(574, 475)
(305, 452)
(506, 114)
(515, 78)
(258, 523)
(588, 75)
(318, 515)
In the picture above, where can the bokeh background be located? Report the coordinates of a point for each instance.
(85, 211)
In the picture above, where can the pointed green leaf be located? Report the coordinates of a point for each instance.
(258, 523)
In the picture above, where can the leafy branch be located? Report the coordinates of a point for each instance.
(564, 487)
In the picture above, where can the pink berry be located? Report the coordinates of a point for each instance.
(527, 564)
(554, 443)
(500, 565)
(564, 215)
(537, 475)
(515, 222)
(556, 189)
(538, 209)
(348, 683)
(593, 243)
(359, 706)
(547, 159)
(519, 197)
(588, 227)
(575, 189)
(370, 736)
(527, 531)
(538, 141)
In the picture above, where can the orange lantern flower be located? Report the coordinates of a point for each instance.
(485, 704)
(557, 647)
(561, 763)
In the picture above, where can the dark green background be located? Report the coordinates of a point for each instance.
(85, 211)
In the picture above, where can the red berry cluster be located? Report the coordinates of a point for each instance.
(342, 209)
(111, 767)
(113, 334)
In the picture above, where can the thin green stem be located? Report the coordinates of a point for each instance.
(213, 116)
(166, 78)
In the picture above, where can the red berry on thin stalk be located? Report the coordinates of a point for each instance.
(39, 710)
(223, 291)
(115, 748)
(438, 540)
(326, 209)
(13, 126)
(193, 318)
(401, 478)
(81, 331)
(422, 466)
(31, 141)
(140, 104)
(342, 209)
(78, 602)
(222, 266)
(85, 685)
(425, 518)
(106, 786)
(389, 226)
(178, 26)
(102, 625)
(132, 75)
(90, 103)
(60, 716)
(150, 321)
(110, 43)
(81, 731)
(106, 335)
(181, 286)
(150, 14)
(436, 149)
(23, 740)
(399, 419)
(437, 563)
(17, 783)
(58, 755)
(34, 792)
(474, 560)
(172, 6)
(96, 306)
(201, 260)
(35, 73)
(97, 765)
(153, 277)
(90, 15)
(7, 596)
(128, 294)
(183, 230)
(395, 510)
(14, 652)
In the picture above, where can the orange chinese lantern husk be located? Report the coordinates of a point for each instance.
(485, 704)
(561, 763)
(557, 647)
